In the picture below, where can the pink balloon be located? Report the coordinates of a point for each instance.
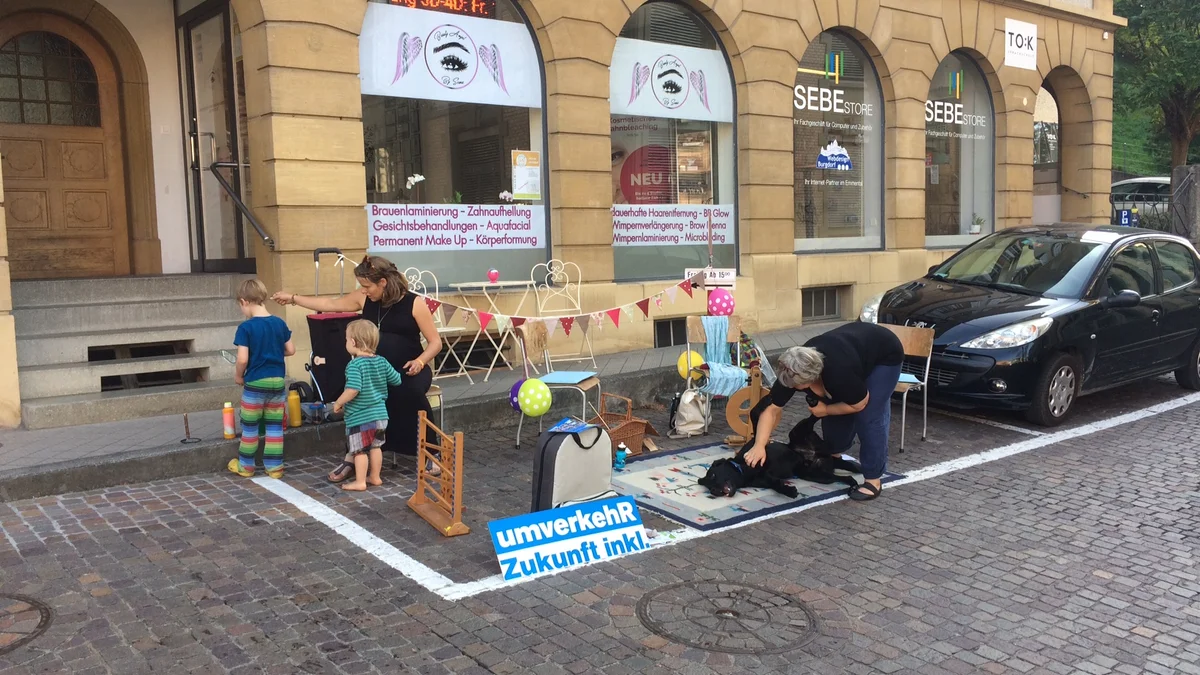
(720, 303)
(493, 275)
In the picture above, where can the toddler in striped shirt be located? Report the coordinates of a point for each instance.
(367, 379)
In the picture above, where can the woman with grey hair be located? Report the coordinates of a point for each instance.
(848, 375)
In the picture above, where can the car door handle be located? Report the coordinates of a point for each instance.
(1155, 315)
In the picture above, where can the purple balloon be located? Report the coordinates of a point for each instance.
(512, 395)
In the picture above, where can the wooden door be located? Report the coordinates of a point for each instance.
(60, 144)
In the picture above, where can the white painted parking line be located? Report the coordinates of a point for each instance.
(447, 589)
(990, 423)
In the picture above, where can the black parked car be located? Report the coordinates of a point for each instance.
(1030, 319)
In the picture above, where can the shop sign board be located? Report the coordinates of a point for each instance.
(404, 228)
(656, 79)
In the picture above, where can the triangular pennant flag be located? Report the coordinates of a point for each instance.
(484, 320)
(658, 300)
(700, 280)
(551, 325)
(567, 322)
(583, 321)
(432, 304)
(627, 310)
(672, 292)
(644, 305)
(615, 315)
(687, 287)
(448, 313)
(598, 320)
(518, 321)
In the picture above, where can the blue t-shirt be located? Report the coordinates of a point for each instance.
(265, 336)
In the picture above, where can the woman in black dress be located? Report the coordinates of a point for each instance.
(384, 299)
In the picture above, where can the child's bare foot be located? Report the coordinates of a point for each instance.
(354, 487)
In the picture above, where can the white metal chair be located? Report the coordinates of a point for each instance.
(696, 335)
(557, 291)
(533, 337)
(425, 283)
(918, 343)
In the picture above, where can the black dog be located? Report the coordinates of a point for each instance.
(804, 456)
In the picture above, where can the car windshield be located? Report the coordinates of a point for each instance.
(1049, 264)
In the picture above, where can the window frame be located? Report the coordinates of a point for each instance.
(1158, 260)
(1120, 248)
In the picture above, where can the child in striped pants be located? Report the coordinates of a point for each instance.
(262, 342)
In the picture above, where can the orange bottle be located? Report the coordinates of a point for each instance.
(228, 419)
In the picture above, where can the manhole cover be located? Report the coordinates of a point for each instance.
(726, 617)
(22, 619)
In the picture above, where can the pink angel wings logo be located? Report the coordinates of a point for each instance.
(641, 75)
(701, 87)
(406, 55)
(490, 56)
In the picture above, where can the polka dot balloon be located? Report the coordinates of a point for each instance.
(514, 393)
(720, 303)
(534, 398)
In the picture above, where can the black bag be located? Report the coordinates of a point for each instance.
(571, 467)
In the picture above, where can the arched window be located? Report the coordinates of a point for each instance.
(453, 132)
(672, 103)
(46, 79)
(837, 122)
(960, 166)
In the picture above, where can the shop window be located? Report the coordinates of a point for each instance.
(837, 117)
(821, 304)
(47, 79)
(453, 134)
(673, 180)
(960, 142)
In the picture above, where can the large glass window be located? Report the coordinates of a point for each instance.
(960, 142)
(837, 117)
(672, 146)
(452, 112)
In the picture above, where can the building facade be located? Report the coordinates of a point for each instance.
(826, 149)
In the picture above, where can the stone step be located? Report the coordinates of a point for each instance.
(128, 404)
(66, 379)
(56, 348)
(116, 290)
(132, 317)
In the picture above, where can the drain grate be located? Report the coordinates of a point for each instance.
(22, 620)
(732, 618)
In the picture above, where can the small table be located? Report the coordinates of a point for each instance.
(491, 292)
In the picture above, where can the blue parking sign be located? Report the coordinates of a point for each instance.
(1127, 217)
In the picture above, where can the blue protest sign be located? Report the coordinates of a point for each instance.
(566, 537)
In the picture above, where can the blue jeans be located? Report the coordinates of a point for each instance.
(871, 424)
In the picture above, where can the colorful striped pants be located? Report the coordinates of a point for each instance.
(263, 402)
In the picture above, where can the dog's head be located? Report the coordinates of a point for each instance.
(724, 478)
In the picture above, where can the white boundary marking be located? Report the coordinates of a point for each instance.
(449, 590)
(990, 423)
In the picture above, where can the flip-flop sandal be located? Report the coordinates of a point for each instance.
(858, 496)
(345, 470)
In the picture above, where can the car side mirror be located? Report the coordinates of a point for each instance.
(1123, 300)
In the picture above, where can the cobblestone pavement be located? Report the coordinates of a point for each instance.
(1081, 556)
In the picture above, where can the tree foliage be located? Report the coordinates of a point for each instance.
(1161, 47)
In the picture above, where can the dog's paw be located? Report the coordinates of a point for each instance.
(788, 491)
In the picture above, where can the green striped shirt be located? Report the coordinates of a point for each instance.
(370, 377)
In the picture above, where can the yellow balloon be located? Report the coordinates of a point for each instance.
(683, 367)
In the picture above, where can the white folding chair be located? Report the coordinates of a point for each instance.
(918, 343)
(557, 291)
(533, 337)
(426, 283)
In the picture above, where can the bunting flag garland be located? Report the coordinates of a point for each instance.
(584, 321)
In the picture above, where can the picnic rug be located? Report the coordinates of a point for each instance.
(665, 482)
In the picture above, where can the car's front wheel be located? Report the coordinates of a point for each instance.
(1188, 376)
(1057, 388)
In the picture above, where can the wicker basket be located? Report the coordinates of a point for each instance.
(622, 427)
